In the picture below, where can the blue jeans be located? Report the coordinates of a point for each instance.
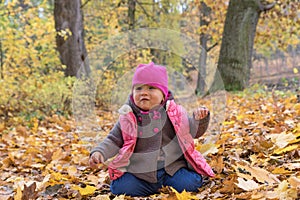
(130, 185)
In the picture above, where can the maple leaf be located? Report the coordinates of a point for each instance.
(184, 195)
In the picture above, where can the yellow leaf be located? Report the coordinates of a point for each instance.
(295, 70)
(184, 195)
(35, 125)
(281, 170)
(208, 148)
(88, 190)
(57, 176)
(18, 196)
(247, 185)
(286, 149)
(228, 122)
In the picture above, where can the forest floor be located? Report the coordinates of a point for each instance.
(254, 151)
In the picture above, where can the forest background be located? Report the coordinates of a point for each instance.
(42, 91)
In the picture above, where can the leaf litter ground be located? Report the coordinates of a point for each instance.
(256, 155)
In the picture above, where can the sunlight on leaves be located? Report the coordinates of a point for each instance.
(208, 148)
(247, 185)
(282, 139)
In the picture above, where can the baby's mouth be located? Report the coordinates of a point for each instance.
(144, 99)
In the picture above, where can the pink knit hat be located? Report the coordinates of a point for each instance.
(151, 74)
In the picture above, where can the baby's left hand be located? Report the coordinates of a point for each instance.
(201, 113)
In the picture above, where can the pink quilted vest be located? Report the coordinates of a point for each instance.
(179, 119)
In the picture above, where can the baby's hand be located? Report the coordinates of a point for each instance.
(201, 113)
(96, 159)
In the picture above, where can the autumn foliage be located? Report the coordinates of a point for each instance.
(255, 152)
(255, 156)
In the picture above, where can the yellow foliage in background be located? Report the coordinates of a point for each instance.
(32, 82)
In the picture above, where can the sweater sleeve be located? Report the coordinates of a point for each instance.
(111, 145)
(198, 127)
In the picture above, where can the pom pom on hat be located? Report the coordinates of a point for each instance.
(151, 74)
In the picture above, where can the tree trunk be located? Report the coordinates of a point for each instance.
(237, 44)
(204, 15)
(1, 61)
(131, 14)
(73, 54)
(131, 25)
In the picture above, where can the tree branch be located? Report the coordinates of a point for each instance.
(211, 47)
(85, 3)
(149, 16)
(266, 7)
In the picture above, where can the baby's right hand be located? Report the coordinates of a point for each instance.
(96, 159)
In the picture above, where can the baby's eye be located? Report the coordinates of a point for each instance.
(151, 87)
(138, 88)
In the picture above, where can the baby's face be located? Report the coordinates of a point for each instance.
(147, 97)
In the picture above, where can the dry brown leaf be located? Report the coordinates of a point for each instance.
(57, 155)
(247, 185)
(261, 175)
(218, 164)
(294, 182)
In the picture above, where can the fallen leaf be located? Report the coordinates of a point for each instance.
(261, 175)
(247, 185)
(184, 195)
(208, 148)
(294, 182)
(281, 170)
(18, 195)
(87, 190)
(282, 192)
(228, 185)
(101, 197)
(29, 192)
(218, 164)
(72, 170)
(57, 155)
(282, 139)
(286, 149)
